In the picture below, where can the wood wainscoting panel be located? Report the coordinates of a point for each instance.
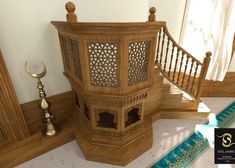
(62, 106)
(3, 140)
(12, 119)
(226, 88)
(17, 153)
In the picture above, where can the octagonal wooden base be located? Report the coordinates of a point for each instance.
(113, 154)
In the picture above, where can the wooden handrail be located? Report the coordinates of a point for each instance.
(178, 46)
(183, 69)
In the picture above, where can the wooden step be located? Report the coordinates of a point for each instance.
(166, 88)
(178, 106)
(166, 96)
(171, 97)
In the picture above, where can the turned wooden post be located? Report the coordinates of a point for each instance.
(205, 65)
(71, 16)
(152, 17)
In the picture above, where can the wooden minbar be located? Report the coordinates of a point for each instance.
(117, 78)
(110, 67)
(117, 91)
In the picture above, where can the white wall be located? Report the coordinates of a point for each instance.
(26, 34)
(172, 12)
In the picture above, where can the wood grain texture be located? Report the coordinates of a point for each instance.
(111, 68)
(226, 88)
(12, 121)
(17, 153)
(182, 115)
(108, 153)
(72, 128)
(117, 68)
(62, 106)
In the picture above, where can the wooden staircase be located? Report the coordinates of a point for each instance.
(165, 96)
(173, 99)
(184, 74)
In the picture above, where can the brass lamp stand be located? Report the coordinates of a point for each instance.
(48, 119)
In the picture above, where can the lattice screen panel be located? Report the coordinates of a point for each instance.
(65, 50)
(138, 62)
(103, 62)
(76, 58)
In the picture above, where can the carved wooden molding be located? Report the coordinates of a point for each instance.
(12, 120)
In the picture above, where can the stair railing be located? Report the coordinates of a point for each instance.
(178, 66)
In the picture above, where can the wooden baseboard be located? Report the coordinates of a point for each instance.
(62, 107)
(17, 153)
(226, 88)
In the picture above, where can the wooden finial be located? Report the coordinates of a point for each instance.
(208, 54)
(152, 17)
(71, 16)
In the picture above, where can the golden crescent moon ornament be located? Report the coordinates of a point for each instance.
(36, 75)
(50, 129)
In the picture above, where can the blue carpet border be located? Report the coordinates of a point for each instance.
(188, 150)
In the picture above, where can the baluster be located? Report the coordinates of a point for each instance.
(194, 76)
(167, 48)
(185, 69)
(181, 63)
(158, 45)
(176, 62)
(163, 40)
(189, 76)
(172, 54)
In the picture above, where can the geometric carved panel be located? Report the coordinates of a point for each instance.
(76, 59)
(103, 63)
(65, 50)
(138, 60)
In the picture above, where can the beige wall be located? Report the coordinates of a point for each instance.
(26, 34)
(172, 12)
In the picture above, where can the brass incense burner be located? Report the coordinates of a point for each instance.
(44, 104)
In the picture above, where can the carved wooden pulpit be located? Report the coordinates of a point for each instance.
(110, 67)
